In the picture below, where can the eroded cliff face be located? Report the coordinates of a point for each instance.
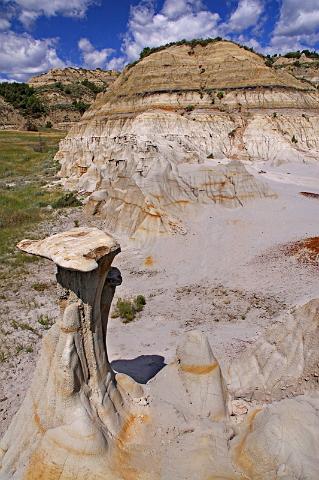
(80, 420)
(167, 132)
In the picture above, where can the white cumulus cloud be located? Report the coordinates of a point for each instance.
(178, 19)
(246, 15)
(29, 10)
(92, 57)
(297, 27)
(22, 56)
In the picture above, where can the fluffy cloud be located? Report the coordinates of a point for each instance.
(178, 19)
(4, 24)
(298, 18)
(297, 27)
(92, 57)
(245, 16)
(30, 10)
(22, 56)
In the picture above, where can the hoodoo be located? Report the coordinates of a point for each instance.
(172, 130)
(80, 420)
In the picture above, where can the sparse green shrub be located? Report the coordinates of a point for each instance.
(29, 349)
(31, 127)
(140, 303)
(127, 309)
(48, 124)
(80, 106)
(274, 115)
(45, 321)
(76, 223)
(189, 108)
(220, 95)
(39, 287)
(19, 349)
(296, 54)
(3, 357)
(59, 86)
(23, 326)
(66, 201)
(94, 88)
(22, 97)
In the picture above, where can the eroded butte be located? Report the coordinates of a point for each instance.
(171, 130)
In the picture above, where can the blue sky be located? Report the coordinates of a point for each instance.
(38, 35)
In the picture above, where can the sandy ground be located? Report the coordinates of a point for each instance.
(220, 278)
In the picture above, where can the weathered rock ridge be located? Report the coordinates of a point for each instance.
(304, 68)
(80, 420)
(161, 137)
(71, 75)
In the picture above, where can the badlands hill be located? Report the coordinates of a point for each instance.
(165, 134)
(302, 66)
(186, 132)
(70, 75)
(68, 92)
(58, 97)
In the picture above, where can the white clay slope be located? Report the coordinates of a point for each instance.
(159, 140)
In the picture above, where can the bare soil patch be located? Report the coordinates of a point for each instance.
(222, 304)
(304, 251)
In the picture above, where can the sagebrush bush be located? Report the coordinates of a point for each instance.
(127, 309)
(66, 201)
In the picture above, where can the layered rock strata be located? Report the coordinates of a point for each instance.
(162, 136)
(69, 75)
(81, 420)
(304, 68)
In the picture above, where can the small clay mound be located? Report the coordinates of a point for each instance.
(310, 195)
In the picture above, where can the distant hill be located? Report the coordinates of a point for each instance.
(303, 65)
(70, 75)
(56, 99)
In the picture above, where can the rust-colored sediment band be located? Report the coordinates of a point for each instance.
(199, 369)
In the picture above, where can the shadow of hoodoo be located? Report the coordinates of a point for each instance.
(141, 369)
